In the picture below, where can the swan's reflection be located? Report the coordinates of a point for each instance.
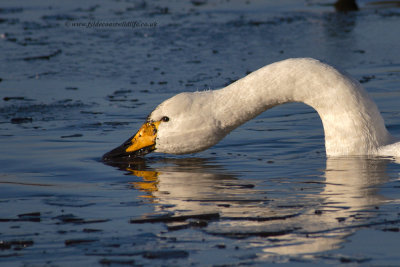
(349, 198)
(300, 223)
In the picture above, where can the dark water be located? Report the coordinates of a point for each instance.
(265, 194)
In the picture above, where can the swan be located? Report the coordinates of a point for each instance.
(195, 121)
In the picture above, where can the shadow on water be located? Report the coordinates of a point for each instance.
(195, 193)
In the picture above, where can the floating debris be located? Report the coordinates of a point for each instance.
(176, 218)
(32, 216)
(165, 254)
(70, 218)
(346, 5)
(264, 219)
(15, 244)
(191, 223)
(44, 57)
(89, 230)
(19, 120)
(198, 2)
(122, 91)
(367, 78)
(8, 98)
(119, 262)
(72, 135)
(73, 242)
(241, 235)
(27, 217)
(393, 229)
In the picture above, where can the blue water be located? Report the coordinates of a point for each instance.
(265, 194)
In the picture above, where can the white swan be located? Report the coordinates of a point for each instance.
(191, 122)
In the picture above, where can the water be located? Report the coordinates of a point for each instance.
(265, 194)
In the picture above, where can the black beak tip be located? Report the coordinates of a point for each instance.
(119, 152)
(114, 154)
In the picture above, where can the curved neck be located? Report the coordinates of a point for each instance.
(351, 120)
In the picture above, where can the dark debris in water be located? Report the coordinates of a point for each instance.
(74, 242)
(32, 216)
(165, 254)
(122, 92)
(26, 217)
(91, 230)
(246, 234)
(106, 261)
(391, 229)
(264, 219)
(344, 258)
(72, 135)
(15, 244)
(9, 98)
(116, 254)
(19, 120)
(346, 5)
(70, 218)
(156, 254)
(367, 78)
(175, 218)
(191, 223)
(199, 2)
(11, 255)
(43, 57)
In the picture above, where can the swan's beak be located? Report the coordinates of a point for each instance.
(142, 143)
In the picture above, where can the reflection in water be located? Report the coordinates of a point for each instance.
(314, 222)
(349, 199)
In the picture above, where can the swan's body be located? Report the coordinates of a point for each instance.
(191, 122)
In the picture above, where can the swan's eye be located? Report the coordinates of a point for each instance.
(165, 119)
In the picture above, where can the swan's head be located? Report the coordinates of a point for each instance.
(185, 123)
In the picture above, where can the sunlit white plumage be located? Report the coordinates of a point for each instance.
(352, 122)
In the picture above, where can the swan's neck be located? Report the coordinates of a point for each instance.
(351, 120)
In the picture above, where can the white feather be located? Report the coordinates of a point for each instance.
(352, 122)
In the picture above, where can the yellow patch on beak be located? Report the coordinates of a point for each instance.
(145, 137)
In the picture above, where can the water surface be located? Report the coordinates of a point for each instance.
(266, 194)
